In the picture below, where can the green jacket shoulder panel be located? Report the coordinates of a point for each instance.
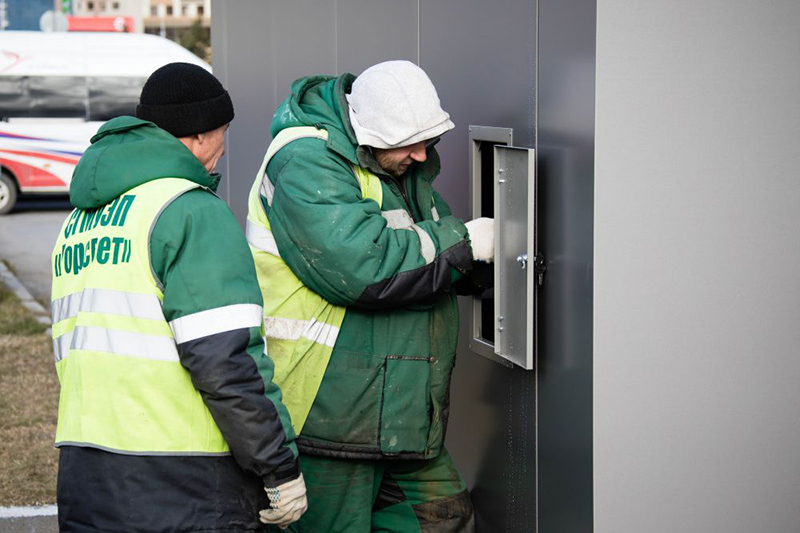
(200, 255)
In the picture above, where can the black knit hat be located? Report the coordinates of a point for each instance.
(184, 99)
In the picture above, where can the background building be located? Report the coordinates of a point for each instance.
(135, 9)
(174, 18)
(187, 22)
(163, 17)
(22, 14)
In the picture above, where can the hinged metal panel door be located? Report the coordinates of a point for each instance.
(515, 274)
(482, 140)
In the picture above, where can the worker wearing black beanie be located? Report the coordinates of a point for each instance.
(190, 433)
(184, 99)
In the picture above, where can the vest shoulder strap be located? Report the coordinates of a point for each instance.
(370, 184)
(288, 135)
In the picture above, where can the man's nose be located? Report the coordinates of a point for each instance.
(418, 152)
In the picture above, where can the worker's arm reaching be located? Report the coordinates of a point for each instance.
(342, 246)
(481, 235)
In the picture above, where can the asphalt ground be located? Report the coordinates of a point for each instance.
(27, 237)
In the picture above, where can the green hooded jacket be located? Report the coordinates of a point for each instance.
(385, 390)
(201, 261)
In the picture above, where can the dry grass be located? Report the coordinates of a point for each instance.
(15, 319)
(28, 408)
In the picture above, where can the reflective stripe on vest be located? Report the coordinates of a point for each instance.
(123, 388)
(300, 326)
(288, 329)
(107, 303)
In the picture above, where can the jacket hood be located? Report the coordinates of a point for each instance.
(320, 101)
(394, 104)
(127, 152)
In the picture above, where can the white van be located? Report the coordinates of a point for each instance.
(56, 89)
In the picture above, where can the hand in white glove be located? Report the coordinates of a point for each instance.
(481, 233)
(287, 503)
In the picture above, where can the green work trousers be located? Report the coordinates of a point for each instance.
(346, 496)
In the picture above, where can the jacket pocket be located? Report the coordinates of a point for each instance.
(347, 405)
(406, 405)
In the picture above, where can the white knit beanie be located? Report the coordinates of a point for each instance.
(394, 104)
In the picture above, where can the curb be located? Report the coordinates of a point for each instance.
(10, 280)
(28, 512)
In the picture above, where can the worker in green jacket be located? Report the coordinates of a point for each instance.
(359, 260)
(168, 418)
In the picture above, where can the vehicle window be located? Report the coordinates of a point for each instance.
(14, 97)
(42, 96)
(92, 98)
(112, 97)
(57, 96)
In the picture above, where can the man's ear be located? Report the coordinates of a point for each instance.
(200, 137)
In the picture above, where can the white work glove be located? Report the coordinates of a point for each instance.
(481, 233)
(287, 503)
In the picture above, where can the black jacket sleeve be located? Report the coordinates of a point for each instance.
(213, 303)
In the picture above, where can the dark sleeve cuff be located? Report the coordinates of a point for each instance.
(282, 474)
(415, 286)
(477, 280)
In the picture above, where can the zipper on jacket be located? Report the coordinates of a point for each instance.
(401, 187)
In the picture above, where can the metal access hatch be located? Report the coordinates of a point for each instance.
(504, 187)
(515, 271)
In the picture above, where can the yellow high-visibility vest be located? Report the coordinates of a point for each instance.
(123, 388)
(300, 326)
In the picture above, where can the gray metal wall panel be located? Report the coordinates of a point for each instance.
(484, 68)
(243, 59)
(565, 152)
(303, 36)
(697, 301)
(482, 58)
(267, 45)
(371, 31)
